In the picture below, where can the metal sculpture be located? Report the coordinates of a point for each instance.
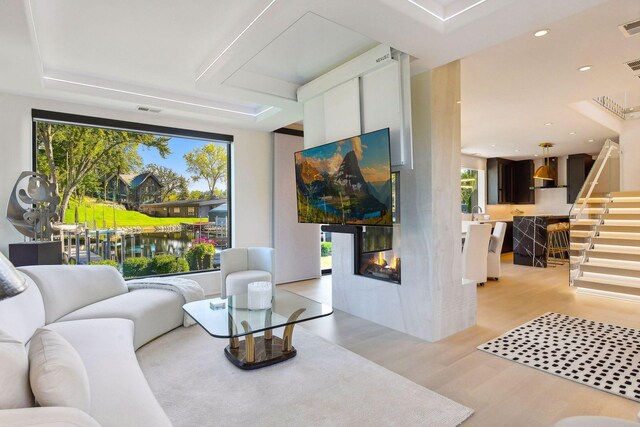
(35, 221)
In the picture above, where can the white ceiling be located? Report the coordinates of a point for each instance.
(511, 90)
(236, 62)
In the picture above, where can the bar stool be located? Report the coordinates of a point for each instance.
(557, 243)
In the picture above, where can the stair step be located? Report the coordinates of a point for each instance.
(625, 195)
(628, 205)
(581, 233)
(600, 240)
(619, 235)
(626, 210)
(585, 221)
(591, 211)
(619, 228)
(618, 249)
(574, 246)
(610, 269)
(594, 200)
(606, 285)
(620, 217)
(576, 259)
(613, 278)
(594, 253)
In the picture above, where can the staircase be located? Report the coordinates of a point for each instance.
(605, 243)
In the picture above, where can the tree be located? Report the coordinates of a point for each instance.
(208, 163)
(174, 186)
(197, 195)
(77, 157)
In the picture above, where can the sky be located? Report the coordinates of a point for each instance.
(371, 149)
(179, 147)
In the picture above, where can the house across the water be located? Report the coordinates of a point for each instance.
(181, 208)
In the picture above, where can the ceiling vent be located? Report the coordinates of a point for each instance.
(149, 109)
(634, 65)
(630, 28)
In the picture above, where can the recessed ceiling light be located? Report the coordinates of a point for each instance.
(591, 140)
(536, 155)
(493, 145)
(548, 124)
(458, 102)
(584, 68)
(517, 151)
(541, 33)
(572, 133)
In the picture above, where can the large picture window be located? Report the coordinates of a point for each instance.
(148, 200)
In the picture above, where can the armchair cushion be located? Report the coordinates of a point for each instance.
(14, 371)
(58, 376)
(237, 282)
(67, 288)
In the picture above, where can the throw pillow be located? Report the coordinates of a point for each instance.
(14, 374)
(58, 376)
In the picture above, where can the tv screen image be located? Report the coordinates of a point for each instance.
(346, 181)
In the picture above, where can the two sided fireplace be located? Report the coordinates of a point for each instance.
(376, 250)
(382, 265)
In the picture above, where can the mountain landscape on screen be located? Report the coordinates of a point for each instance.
(346, 182)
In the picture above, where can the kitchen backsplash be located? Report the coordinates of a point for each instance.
(551, 201)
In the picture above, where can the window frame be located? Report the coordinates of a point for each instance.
(46, 116)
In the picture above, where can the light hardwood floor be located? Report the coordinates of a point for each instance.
(501, 392)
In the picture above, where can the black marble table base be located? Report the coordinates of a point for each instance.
(267, 352)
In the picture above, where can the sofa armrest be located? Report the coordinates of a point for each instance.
(67, 288)
(46, 417)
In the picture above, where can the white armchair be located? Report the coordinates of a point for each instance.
(474, 253)
(495, 249)
(241, 266)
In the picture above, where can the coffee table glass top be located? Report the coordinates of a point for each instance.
(227, 320)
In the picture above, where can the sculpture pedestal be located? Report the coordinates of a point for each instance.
(35, 253)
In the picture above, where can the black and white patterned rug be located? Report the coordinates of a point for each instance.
(600, 355)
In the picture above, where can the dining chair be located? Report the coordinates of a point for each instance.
(495, 249)
(475, 252)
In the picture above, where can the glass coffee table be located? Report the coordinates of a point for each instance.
(230, 318)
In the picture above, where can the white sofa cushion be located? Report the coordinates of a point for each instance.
(153, 311)
(14, 372)
(21, 315)
(120, 395)
(70, 287)
(237, 282)
(46, 417)
(58, 376)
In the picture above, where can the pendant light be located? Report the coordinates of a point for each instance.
(544, 171)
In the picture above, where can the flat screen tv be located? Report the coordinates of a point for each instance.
(346, 181)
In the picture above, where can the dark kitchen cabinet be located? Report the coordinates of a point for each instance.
(510, 182)
(498, 181)
(523, 183)
(578, 168)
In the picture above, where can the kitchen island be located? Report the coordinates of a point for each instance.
(530, 238)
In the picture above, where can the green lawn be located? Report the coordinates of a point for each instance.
(124, 218)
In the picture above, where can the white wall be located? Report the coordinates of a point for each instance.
(630, 156)
(297, 245)
(252, 154)
(472, 162)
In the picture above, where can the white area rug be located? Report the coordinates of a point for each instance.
(603, 356)
(324, 385)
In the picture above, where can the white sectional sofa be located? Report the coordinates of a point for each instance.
(92, 308)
